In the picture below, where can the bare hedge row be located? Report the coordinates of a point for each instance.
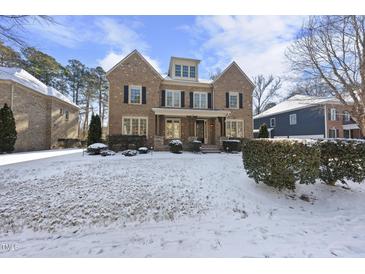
(283, 163)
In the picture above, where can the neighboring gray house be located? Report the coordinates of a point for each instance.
(304, 116)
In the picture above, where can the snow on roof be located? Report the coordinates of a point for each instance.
(296, 102)
(24, 78)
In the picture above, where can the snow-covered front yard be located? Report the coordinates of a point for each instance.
(168, 205)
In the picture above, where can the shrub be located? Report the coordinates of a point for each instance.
(107, 152)
(8, 132)
(281, 163)
(342, 159)
(143, 150)
(231, 145)
(123, 142)
(129, 152)
(175, 146)
(94, 133)
(196, 146)
(96, 149)
(263, 132)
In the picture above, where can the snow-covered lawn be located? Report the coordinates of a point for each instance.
(170, 205)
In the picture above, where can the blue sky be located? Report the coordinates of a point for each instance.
(256, 43)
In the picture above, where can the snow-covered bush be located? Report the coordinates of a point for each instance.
(129, 152)
(175, 146)
(107, 153)
(342, 159)
(143, 150)
(96, 149)
(281, 163)
(231, 145)
(196, 145)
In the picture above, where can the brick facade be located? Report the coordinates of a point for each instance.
(39, 123)
(135, 70)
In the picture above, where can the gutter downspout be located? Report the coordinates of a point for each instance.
(325, 122)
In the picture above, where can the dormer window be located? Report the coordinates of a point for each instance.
(185, 71)
(192, 72)
(178, 70)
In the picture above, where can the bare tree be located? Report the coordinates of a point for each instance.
(332, 49)
(11, 26)
(266, 90)
(310, 87)
(215, 74)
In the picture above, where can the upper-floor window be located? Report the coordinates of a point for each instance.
(272, 122)
(173, 98)
(346, 116)
(61, 111)
(178, 70)
(67, 115)
(134, 126)
(135, 95)
(200, 100)
(333, 114)
(234, 128)
(233, 100)
(185, 71)
(192, 72)
(293, 119)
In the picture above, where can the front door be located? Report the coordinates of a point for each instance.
(200, 130)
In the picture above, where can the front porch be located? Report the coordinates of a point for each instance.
(207, 126)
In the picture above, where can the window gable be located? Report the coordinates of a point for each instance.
(233, 100)
(178, 70)
(185, 71)
(192, 72)
(135, 95)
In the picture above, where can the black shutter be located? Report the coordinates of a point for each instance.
(162, 98)
(191, 99)
(209, 100)
(227, 99)
(241, 100)
(144, 95)
(126, 94)
(182, 99)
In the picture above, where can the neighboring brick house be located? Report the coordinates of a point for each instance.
(179, 105)
(304, 116)
(42, 114)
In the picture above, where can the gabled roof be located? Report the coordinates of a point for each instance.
(297, 102)
(130, 54)
(24, 78)
(240, 70)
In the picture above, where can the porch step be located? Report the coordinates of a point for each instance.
(210, 149)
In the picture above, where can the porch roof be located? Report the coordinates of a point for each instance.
(191, 112)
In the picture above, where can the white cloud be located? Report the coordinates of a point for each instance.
(256, 43)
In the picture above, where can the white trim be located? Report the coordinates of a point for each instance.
(236, 121)
(234, 93)
(335, 129)
(139, 124)
(335, 113)
(174, 120)
(292, 123)
(350, 126)
(325, 122)
(129, 94)
(191, 112)
(172, 91)
(319, 136)
(200, 101)
(346, 115)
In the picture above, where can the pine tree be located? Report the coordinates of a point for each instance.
(8, 132)
(94, 134)
(263, 132)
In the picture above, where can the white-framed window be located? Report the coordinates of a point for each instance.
(134, 126)
(135, 95)
(332, 133)
(173, 98)
(233, 99)
(200, 99)
(234, 128)
(192, 72)
(333, 114)
(185, 71)
(293, 119)
(272, 122)
(178, 70)
(172, 128)
(346, 116)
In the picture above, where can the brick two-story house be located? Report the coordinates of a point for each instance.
(178, 105)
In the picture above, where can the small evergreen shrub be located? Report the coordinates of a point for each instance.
(342, 159)
(175, 146)
(94, 133)
(143, 150)
(232, 145)
(196, 146)
(281, 163)
(263, 131)
(8, 132)
(96, 149)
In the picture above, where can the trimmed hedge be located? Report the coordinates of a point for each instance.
(124, 142)
(231, 145)
(196, 146)
(342, 159)
(281, 163)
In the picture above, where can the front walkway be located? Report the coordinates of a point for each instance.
(7, 159)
